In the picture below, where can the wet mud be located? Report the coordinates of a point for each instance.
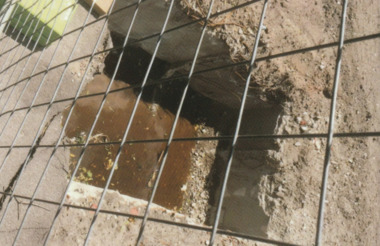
(139, 162)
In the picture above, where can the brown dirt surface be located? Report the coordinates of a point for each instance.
(290, 195)
(301, 84)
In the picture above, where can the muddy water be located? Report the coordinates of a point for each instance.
(139, 162)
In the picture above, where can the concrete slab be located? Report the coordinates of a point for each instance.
(16, 71)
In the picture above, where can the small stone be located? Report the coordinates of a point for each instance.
(184, 187)
(297, 144)
(304, 128)
(317, 144)
(280, 194)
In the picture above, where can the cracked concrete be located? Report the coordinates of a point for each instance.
(53, 185)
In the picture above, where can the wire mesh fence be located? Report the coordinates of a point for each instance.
(45, 74)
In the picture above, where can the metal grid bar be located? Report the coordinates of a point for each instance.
(47, 112)
(96, 117)
(260, 59)
(23, 122)
(128, 128)
(7, 22)
(216, 138)
(8, 4)
(171, 134)
(18, 35)
(238, 124)
(21, 170)
(37, 29)
(149, 36)
(162, 221)
(161, 81)
(330, 137)
(30, 24)
(13, 14)
(23, 70)
(66, 34)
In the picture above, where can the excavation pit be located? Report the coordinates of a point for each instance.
(194, 170)
(139, 162)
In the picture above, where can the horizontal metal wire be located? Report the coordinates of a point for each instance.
(39, 29)
(24, 10)
(167, 222)
(213, 138)
(166, 80)
(27, 62)
(329, 135)
(30, 23)
(20, 171)
(149, 36)
(43, 121)
(220, 199)
(174, 125)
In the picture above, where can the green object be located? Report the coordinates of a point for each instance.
(46, 16)
(1, 4)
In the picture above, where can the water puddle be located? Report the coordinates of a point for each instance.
(139, 162)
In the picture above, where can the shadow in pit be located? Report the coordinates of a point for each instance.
(241, 210)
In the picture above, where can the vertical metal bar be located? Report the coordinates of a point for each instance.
(7, 20)
(25, 48)
(171, 135)
(62, 131)
(22, 72)
(7, 6)
(2, 70)
(30, 24)
(129, 122)
(10, 149)
(96, 117)
(39, 130)
(22, 124)
(19, 33)
(238, 124)
(19, 14)
(67, 120)
(8, 24)
(26, 64)
(331, 127)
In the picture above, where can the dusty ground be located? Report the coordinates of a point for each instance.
(287, 177)
(290, 195)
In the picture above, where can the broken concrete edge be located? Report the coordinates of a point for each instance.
(80, 194)
(178, 47)
(101, 7)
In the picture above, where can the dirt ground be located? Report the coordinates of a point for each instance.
(284, 191)
(290, 195)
